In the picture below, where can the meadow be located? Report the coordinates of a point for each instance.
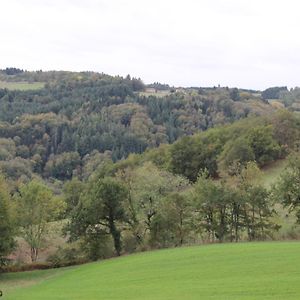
(23, 86)
(266, 270)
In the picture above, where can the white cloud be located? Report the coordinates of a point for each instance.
(241, 43)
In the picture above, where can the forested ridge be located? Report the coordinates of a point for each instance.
(77, 115)
(124, 167)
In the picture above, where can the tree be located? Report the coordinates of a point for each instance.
(228, 208)
(273, 92)
(148, 186)
(7, 228)
(265, 147)
(286, 128)
(191, 155)
(172, 223)
(72, 191)
(287, 190)
(36, 207)
(99, 211)
(234, 94)
(109, 195)
(211, 200)
(236, 153)
(257, 213)
(63, 165)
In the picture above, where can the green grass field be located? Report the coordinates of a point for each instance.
(24, 86)
(223, 271)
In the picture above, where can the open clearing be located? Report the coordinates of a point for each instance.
(24, 86)
(222, 271)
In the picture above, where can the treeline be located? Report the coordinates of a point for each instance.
(288, 98)
(203, 188)
(82, 116)
(145, 208)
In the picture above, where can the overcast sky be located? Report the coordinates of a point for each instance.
(250, 44)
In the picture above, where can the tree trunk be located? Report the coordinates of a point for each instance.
(116, 235)
(33, 254)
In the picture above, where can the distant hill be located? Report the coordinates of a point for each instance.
(126, 167)
(57, 115)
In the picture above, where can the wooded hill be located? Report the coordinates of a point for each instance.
(57, 130)
(124, 167)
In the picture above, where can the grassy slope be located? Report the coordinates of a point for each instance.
(272, 173)
(12, 281)
(24, 86)
(225, 271)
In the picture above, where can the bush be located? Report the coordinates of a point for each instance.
(27, 267)
(66, 257)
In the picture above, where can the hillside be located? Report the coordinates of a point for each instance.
(227, 271)
(94, 166)
(85, 118)
(49, 117)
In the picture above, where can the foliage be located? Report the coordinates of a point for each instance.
(72, 191)
(63, 166)
(227, 213)
(36, 207)
(148, 188)
(172, 225)
(7, 226)
(66, 256)
(288, 188)
(190, 155)
(273, 92)
(265, 147)
(131, 171)
(99, 212)
(87, 112)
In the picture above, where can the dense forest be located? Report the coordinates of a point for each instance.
(57, 130)
(122, 166)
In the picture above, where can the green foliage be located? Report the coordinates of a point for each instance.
(190, 155)
(7, 226)
(288, 188)
(172, 225)
(290, 99)
(234, 94)
(273, 92)
(265, 147)
(129, 190)
(236, 153)
(11, 71)
(148, 188)
(286, 129)
(212, 202)
(72, 191)
(66, 256)
(86, 112)
(63, 166)
(16, 168)
(36, 206)
(227, 213)
(99, 212)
